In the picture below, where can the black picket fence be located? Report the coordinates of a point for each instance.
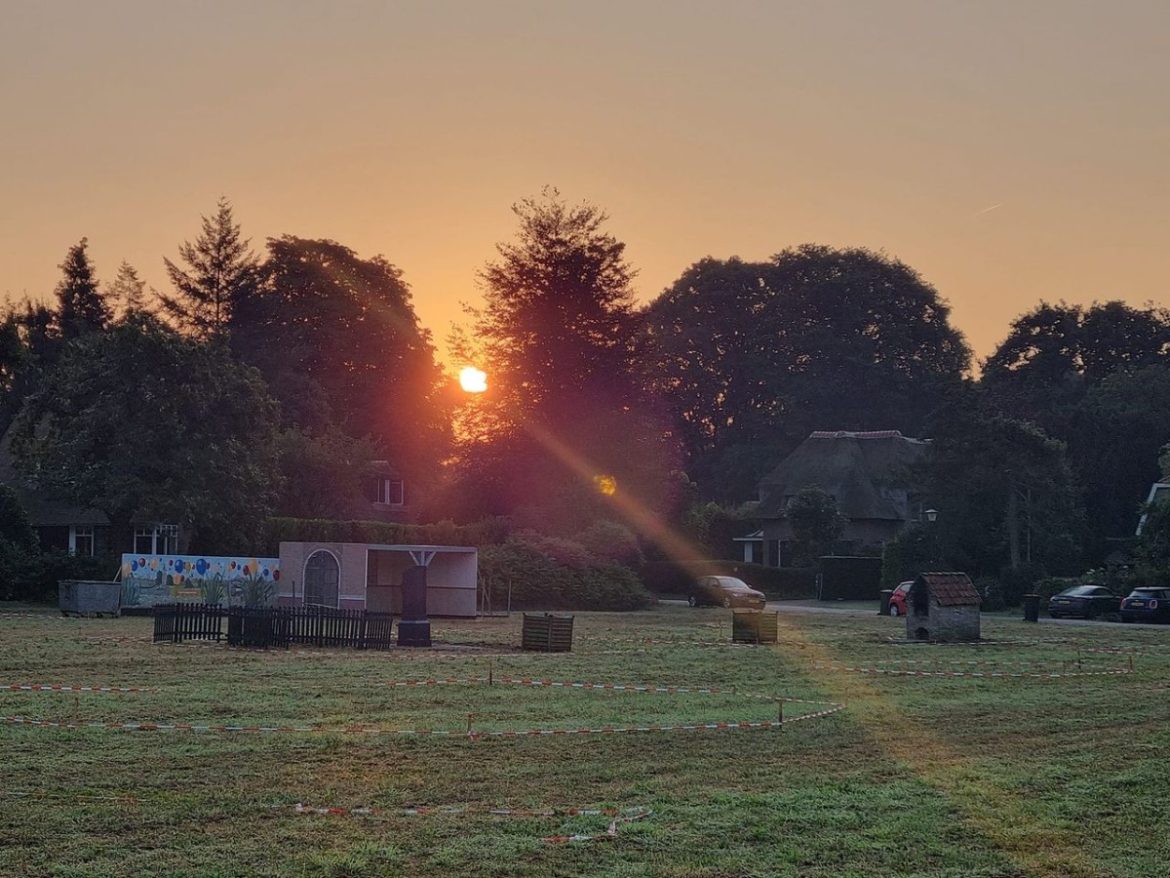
(265, 627)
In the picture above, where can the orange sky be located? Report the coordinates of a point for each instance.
(1010, 151)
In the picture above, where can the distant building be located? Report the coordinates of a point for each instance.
(866, 474)
(1159, 493)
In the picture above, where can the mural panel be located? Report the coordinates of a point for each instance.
(166, 579)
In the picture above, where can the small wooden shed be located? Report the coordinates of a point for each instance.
(943, 607)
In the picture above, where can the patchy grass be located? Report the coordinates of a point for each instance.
(919, 776)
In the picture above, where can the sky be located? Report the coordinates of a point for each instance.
(1009, 151)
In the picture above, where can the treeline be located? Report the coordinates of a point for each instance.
(263, 384)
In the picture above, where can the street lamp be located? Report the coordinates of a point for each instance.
(931, 515)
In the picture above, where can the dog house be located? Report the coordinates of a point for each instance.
(363, 576)
(942, 607)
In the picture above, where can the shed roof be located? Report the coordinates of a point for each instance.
(950, 589)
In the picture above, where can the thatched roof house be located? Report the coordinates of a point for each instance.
(866, 473)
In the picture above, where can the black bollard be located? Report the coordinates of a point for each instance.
(884, 606)
(415, 627)
(1031, 608)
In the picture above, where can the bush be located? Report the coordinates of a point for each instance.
(32, 576)
(540, 580)
(991, 591)
(1019, 581)
(613, 542)
(778, 583)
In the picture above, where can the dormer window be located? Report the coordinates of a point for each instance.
(388, 492)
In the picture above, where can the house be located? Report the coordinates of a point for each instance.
(942, 607)
(385, 498)
(866, 474)
(1159, 493)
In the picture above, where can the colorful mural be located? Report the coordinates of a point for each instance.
(166, 579)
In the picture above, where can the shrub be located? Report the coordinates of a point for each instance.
(991, 591)
(538, 580)
(32, 576)
(612, 542)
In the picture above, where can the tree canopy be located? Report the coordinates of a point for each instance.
(754, 356)
(146, 425)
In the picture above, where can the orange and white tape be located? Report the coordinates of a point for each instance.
(910, 672)
(60, 687)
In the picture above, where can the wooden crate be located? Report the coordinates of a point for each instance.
(752, 626)
(547, 633)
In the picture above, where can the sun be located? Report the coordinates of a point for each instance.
(472, 380)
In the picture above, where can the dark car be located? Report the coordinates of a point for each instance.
(1083, 601)
(1146, 605)
(725, 591)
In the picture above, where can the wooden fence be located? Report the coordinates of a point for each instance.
(265, 627)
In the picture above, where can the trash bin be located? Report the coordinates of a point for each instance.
(884, 606)
(1031, 608)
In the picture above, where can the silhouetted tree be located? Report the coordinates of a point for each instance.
(338, 341)
(81, 306)
(559, 339)
(219, 272)
(753, 356)
(128, 291)
(143, 424)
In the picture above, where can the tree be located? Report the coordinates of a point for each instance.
(338, 342)
(128, 291)
(81, 306)
(326, 475)
(816, 523)
(1115, 436)
(1054, 354)
(146, 425)
(1005, 493)
(559, 340)
(754, 356)
(220, 274)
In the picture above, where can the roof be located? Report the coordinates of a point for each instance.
(42, 511)
(867, 473)
(950, 589)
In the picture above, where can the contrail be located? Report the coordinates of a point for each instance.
(980, 213)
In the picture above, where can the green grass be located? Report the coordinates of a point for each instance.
(919, 776)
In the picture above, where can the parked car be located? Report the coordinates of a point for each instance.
(1084, 601)
(1146, 605)
(899, 597)
(725, 591)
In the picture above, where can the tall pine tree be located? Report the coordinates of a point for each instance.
(128, 291)
(81, 306)
(219, 272)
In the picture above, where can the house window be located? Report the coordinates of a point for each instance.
(159, 539)
(322, 576)
(389, 492)
(81, 540)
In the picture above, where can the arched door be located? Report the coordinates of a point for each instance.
(322, 576)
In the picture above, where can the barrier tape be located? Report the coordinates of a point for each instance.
(54, 687)
(559, 684)
(897, 672)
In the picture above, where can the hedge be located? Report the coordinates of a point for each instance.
(33, 576)
(778, 583)
(538, 580)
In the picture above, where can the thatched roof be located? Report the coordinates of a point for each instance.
(865, 472)
(949, 589)
(42, 511)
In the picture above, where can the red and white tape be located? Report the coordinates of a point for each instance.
(59, 687)
(900, 672)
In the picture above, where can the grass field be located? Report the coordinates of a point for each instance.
(936, 775)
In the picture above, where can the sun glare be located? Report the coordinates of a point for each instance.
(472, 380)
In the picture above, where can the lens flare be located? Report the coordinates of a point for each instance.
(606, 485)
